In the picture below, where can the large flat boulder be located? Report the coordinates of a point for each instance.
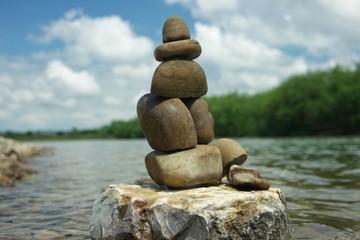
(146, 211)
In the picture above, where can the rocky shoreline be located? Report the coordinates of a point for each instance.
(12, 156)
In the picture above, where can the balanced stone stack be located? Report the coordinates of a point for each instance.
(176, 120)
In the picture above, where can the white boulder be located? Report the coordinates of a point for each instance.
(146, 211)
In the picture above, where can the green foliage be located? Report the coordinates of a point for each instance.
(316, 103)
(125, 129)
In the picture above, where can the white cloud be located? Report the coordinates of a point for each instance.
(111, 100)
(80, 82)
(87, 39)
(270, 40)
(5, 79)
(130, 72)
(90, 80)
(22, 95)
(348, 9)
(242, 64)
(71, 102)
(103, 66)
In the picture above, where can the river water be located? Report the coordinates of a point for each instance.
(319, 177)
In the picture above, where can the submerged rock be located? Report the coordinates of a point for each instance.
(126, 211)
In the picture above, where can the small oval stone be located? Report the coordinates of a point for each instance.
(167, 123)
(204, 122)
(179, 79)
(183, 49)
(231, 153)
(175, 29)
(200, 166)
(247, 178)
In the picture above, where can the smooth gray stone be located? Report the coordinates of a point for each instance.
(183, 49)
(247, 178)
(204, 122)
(199, 166)
(167, 123)
(179, 79)
(175, 29)
(231, 153)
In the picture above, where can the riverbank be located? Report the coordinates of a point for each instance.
(12, 156)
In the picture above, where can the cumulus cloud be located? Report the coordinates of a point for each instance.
(267, 41)
(103, 66)
(87, 82)
(87, 39)
(80, 82)
(111, 100)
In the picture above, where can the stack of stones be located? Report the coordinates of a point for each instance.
(176, 120)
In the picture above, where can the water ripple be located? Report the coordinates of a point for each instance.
(319, 177)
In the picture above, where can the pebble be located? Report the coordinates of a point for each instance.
(199, 166)
(167, 123)
(175, 29)
(183, 49)
(246, 178)
(179, 79)
(204, 122)
(231, 153)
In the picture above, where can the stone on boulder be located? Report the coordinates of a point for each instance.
(126, 211)
(246, 178)
(167, 123)
(231, 153)
(204, 122)
(175, 29)
(200, 166)
(179, 79)
(184, 49)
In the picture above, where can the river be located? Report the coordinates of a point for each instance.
(320, 177)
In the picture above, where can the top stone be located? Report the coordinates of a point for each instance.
(175, 29)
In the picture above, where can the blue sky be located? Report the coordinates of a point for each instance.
(66, 64)
(20, 18)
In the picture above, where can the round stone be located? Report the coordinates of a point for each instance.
(232, 153)
(175, 29)
(167, 123)
(183, 49)
(204, 122)
(200, 166)
(247, 178)
(179, 79)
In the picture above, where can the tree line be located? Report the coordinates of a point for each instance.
(316, 103)
(322, 102)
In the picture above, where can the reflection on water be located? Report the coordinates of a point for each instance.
(319, 177)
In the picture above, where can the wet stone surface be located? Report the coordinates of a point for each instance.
(246, 178)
